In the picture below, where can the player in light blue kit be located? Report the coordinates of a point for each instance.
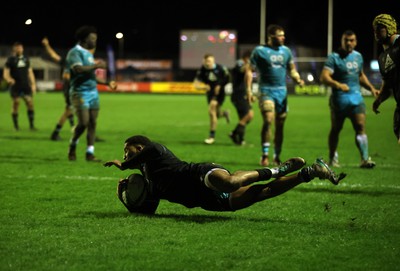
(343, 71)
(83, 89)
(273, 62)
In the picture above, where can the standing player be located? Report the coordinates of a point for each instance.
(241, 98)
(343, 71)
(68, 112)
(385, 32)
(273, 62)
(19, 75)
(213, 78)
(83, 91)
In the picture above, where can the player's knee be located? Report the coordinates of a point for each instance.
(281, 116)
(267, 106)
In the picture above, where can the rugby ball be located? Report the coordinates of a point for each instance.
(136, 190)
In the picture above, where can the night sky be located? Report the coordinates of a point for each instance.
(151, 28)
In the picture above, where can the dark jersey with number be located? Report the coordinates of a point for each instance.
(219, 75)
(389, 66)
(19, 70)
(175, 180)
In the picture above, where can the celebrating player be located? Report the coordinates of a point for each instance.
(83, 92)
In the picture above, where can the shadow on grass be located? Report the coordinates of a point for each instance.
(9, 158)
(200, 219)
(99, 214)
(27, 137)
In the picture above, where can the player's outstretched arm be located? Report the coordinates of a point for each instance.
(116, 163)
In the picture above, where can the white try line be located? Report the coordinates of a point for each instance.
(317, 182)
(346, 183)
(89, 178)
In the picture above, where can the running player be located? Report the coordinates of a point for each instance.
(213, 78)
(241, 98)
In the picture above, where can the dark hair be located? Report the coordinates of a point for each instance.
(246, 53)
(272, 28)
(207, 55)
(137, 139)
(348, 32)
(83, 32)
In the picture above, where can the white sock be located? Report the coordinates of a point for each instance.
(274, 172)
(90, 149)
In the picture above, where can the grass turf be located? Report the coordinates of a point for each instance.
(61, 215)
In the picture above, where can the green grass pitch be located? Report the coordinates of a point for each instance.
(62, 215)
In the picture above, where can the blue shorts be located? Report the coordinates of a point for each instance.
(85, 100)
(345, 108)
(277, 95)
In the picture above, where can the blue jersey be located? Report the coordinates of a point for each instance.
(346, 70)
(271, 65)
(81, 82)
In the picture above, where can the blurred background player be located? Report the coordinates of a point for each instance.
(273, 62)
(241, 98)
(343, 71)
(68, 111)
(19, 75)
(213, 78)
(386, 34)
(83, 91)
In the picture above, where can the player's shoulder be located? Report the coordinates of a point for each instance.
(333, 56)
(284, 47)
(10, 59)
(240, 63)
(356, 53)
(221, 67)
(396, 42)
(260, 46)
